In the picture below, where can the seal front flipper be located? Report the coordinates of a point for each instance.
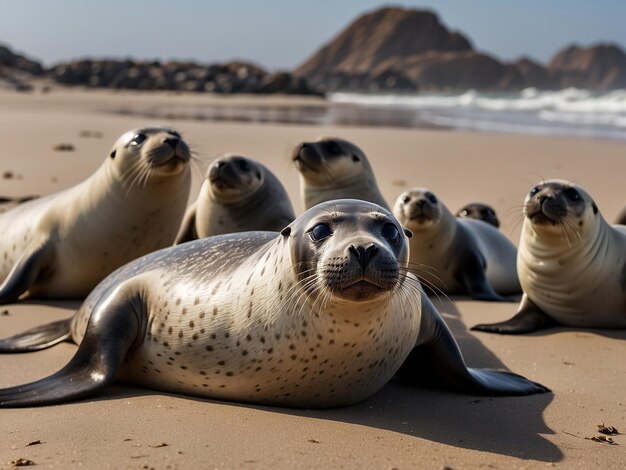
(26, 271)
(187, 230)
(116, 325)
(528, 318)
(38, 338)
(475, 280)
(437, 360)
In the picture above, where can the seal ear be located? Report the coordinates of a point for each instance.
(407, 232)
(595, 208)
(113, 153)
(286, 231)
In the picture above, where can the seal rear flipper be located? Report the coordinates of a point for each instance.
(38, 338)
(26, 271)
(437, 360)
(187, 231)
(529, 318)
(114, 327)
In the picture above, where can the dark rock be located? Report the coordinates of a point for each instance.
(598, 67)
(378, 36)
(534, 74)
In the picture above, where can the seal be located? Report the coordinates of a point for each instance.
(62, 245)
(479, 211)
(332, 168)
(238, 194)
(320, 315)
(571, 263)
(456, 256)
(621, 217)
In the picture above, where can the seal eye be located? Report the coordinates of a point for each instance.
(332, 148)
(572, 194)
(243, 165)
(431, 197)
(464, 213)
(391, 233)
(320, 232)
(534, 191)
(138, 139)
(356, 158)
(406, 199)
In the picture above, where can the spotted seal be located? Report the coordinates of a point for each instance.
(479, 211)
(456, 255)
(320, 315)
(571, 263)
(238, 194)
(332, 168)
(62, 245)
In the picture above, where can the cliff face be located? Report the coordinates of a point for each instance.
(419, 53)
(380, 35)
(377, 37)
(599, 67)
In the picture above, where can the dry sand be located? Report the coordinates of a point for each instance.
(399, 427)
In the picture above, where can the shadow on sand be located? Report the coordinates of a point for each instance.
(510, 426)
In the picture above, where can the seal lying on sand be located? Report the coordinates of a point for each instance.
(321, 315)
(456, 255)
(479, 211)
(238, 194)
(335, 169)
(62, 245)
(571, 263)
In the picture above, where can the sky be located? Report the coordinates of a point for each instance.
(281, 34)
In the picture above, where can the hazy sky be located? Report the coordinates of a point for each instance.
(281, 33)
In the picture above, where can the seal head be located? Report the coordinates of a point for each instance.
(239, 194)
(479, 211)
(332, 168)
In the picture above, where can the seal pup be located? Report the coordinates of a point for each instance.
(332, 168)
(62, 245)
(238, 194)
(571, 263)
(320, 315)
(479, 211)
(456, 255)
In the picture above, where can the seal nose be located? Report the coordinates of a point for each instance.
(364, 255)
(172, 141)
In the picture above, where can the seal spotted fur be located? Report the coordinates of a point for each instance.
(321, 315)
(62, 245)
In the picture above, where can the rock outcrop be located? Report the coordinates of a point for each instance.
(416, 52)
(598, 67)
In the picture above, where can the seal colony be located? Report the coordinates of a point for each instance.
(238, 194)
(571, 263)
(456, 255)
(332, 168)
(321, 315)
(62, 245)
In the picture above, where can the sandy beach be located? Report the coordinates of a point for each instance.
(399, 427)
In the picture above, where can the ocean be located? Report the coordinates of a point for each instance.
(568, 112)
